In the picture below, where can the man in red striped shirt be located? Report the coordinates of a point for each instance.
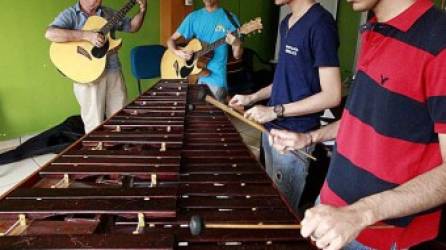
(389, 164)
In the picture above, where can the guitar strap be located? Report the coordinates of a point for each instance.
(231, 18)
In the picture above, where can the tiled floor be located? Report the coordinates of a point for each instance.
(13, 173)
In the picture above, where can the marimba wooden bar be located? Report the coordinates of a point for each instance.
(136, 181)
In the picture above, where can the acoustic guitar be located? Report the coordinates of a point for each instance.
(174, 67)
(81, 61)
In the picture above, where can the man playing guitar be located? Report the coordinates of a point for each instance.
(107, 94)
(208, 25)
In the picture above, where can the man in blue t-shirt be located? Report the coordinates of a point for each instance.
(208, 25)
(307, 81)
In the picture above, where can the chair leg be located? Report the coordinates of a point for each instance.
(139, 86)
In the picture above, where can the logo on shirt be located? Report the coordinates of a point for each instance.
(220, 28)
(291, 50)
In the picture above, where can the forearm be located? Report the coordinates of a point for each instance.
(137, 22)
(312, 104)
(171, 44)
(65, 35)
(420, 194)
(262, 94)
(237, 51)
(325, 133)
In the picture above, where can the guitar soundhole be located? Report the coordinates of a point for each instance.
(100, 52)
(185, 71)
(190, 61)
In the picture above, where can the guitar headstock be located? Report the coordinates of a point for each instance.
(254, 25)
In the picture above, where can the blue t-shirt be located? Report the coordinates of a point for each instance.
(209, 27)
(312, 42)
(74, 18)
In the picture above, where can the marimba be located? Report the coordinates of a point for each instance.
(137, 180)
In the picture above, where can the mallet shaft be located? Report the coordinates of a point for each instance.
(273, 226)
(259, 226)
(253, 124)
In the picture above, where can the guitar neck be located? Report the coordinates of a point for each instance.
(211, 47)
(117, 17)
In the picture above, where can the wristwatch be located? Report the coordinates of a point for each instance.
(279, 109)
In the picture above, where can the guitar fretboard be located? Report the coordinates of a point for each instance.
(210, 47)
(117, 17)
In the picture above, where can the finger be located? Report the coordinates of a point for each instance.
(280, 148)
(271, 139)
(326, 239)
(283, 141)
(255, 117)
(288, 149)
(279, 133)
(273, 132)
(247, 114)
(309, 224)
(336, 244)
(234, 101)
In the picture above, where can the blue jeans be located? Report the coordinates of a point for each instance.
(288, 172)
(355, 245)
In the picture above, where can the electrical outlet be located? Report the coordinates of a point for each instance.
(188, 2)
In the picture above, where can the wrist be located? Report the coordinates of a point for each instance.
(313, 136)
(85, 35)
(308, 139)
(237, 43)
(365, 212)
(279, 110)
(273, 112)
(252, 99)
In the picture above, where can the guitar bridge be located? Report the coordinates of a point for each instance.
(83, 52)
(176, 66)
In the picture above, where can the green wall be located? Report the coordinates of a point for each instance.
(348, 25)
(246, 10)
(33, 95)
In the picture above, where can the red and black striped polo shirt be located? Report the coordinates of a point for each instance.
(389, 130)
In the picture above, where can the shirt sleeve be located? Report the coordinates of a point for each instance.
(325, 44)
(436, 91)
(186, 27)
(65, 20)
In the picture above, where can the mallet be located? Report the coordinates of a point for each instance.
(197, 226)
(202, 95)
